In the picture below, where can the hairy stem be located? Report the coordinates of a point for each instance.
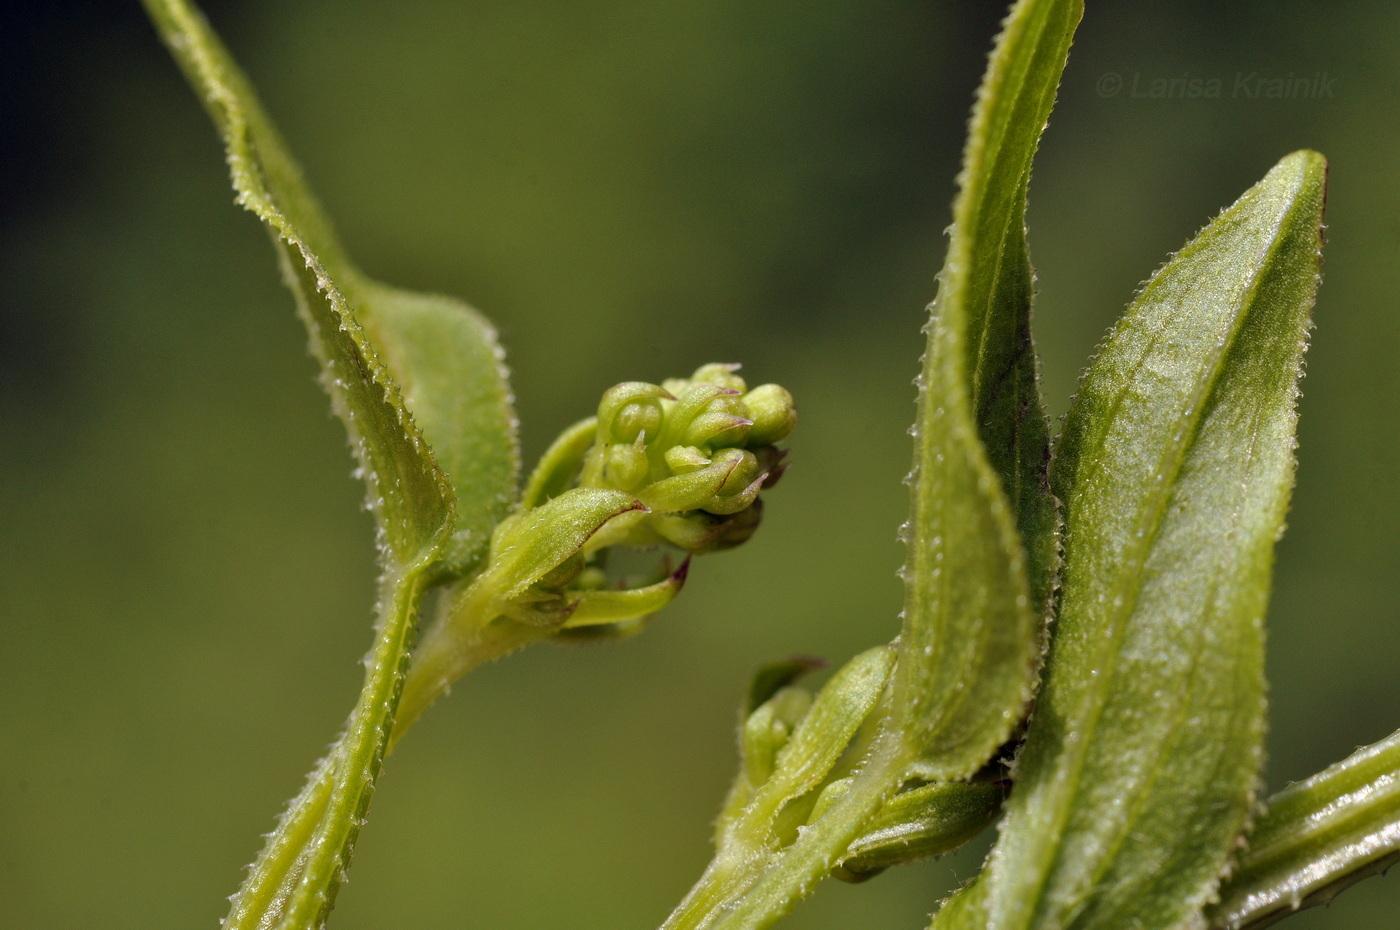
(1319, 837)
(293, 883)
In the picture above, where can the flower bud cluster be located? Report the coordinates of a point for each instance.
(695, 451)
(681, 462)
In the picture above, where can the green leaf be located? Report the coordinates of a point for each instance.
(989, 272)
(1316, 839)
(534, 542)
(825, 731)
(966, 909)
(418, 383)
(446, 359)
(973, 601)
(416, 379)
(1175, 468)
(974, 593)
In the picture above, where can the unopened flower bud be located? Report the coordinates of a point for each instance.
(720, 374)
(682, 460)
(628, 409)
(773, 413)
(691, 402)
(695, 531)
(766, 731)
(723, 422)
(638, 419)
(741, 484)
(627, 466)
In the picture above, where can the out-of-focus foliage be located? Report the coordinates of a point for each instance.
(627, 191)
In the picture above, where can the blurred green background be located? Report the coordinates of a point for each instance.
(629, 189)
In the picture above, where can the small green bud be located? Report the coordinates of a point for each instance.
(690, 403)
(741, 485)
(627, 466)
(636, 420)
(695, 531)
(628, 409)
(723, 422)
(767, 730)
(682, 460)
(773, 413)
(720, 374)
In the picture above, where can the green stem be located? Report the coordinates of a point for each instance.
(467, 633)
(746, 888)
(725, 877)
(272, 877)
(435, 669)
(1318, 837)
(293, 883)
(359, 755)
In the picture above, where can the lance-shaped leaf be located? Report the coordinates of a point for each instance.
(533, 543)
(417, 379)
(791, 744)
(974, 597)
(1175, 468)
(418, 383)
(973, 602)
(819, 740)
(1316, 839)
(446, 359)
